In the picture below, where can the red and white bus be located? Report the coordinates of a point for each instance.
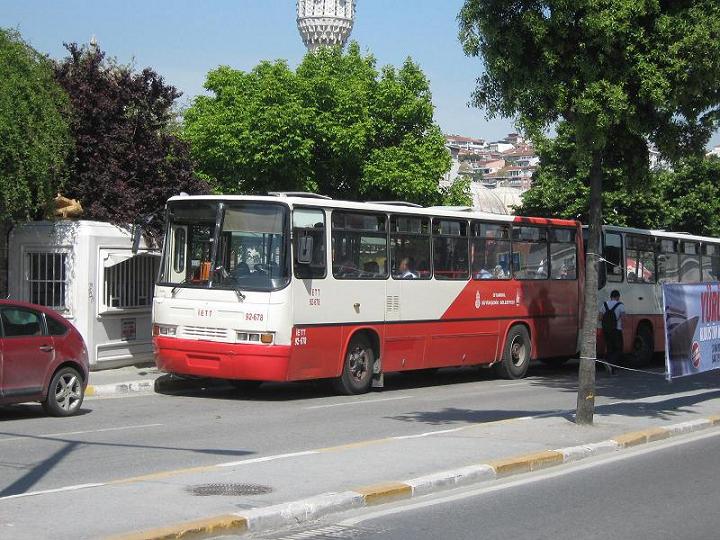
(636, 262)
(294, 287)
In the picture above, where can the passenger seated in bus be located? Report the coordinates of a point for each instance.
(372, 268)
(406, 270)
(498, 272)
(483, 273)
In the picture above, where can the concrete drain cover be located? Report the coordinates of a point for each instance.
(228, 490)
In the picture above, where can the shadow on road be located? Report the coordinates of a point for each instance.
(37, 472)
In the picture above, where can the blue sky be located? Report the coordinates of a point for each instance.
(184, 39)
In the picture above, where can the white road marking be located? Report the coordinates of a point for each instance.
(102, 430)
(267, 458)
(47, 491)
(519, 383)
(358, 402)
(433, 500)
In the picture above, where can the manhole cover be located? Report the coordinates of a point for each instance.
(230, 490)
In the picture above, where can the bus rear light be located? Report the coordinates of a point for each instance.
(267, 339)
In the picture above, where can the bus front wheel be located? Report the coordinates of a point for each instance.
(358, 367)
(516, 355)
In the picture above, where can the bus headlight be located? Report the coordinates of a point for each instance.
(164, 330)
(266, 338)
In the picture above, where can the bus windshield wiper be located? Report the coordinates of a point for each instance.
(177, 287)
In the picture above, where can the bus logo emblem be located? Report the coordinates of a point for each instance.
(478, 300)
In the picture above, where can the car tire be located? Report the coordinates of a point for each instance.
(65, 393)
(516, 354)
(358, 367)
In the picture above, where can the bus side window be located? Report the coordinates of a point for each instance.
(612, 253)
(359, 245)
(563, 254)
(410, 247)
(450, 249)
(711, 262)
(690, 269)
(309, 222)
(640, 262)
(668, 266)
(490, 251)
(530, 252)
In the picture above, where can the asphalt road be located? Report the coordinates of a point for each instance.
(666, 491)
(126, 437)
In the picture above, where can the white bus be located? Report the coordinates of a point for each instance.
(295, 287)
(636, 263)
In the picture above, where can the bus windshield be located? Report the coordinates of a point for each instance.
(234, 246)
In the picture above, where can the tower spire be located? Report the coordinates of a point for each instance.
(325, 22)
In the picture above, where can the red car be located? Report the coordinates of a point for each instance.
(42, 358)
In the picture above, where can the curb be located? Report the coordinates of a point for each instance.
(297, 512)
(163, 383)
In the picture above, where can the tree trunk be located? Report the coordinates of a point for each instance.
(588, 345)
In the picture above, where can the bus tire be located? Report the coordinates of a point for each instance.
(516, 354)
(357, 370)
(643, 347)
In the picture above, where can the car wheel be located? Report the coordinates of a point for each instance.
(516, 355)
(65, 393)
(358, 367)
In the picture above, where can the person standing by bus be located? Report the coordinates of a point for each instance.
(611, 317)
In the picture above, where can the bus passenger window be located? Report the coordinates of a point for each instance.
(410, 247)
(563, 254)
(668, 268)
(612, 253)
(359, 245)
(530, 253)
(711, 262)
(640, 260)
(309, 222)
(490, 251)
(690, 262)
(450, 249)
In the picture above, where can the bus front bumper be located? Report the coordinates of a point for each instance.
(222, 360)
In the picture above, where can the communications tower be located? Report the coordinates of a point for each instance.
(325, 22)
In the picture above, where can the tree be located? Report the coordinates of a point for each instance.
(685, 198)
(126, 162)
(619, 72)
(34, 134)
(335, 125)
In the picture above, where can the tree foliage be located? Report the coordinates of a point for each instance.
(618, 73)
(126, 162)
(335, 125)
(34, 134)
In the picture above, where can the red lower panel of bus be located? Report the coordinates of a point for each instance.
(222, 360)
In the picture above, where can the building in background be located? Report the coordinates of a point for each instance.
(500, 171)
(325, 23)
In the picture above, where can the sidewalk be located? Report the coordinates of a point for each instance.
(268, 491)
(141, 379)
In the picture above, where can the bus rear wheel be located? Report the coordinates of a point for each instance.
(516, 355)
(358, 367)
(643, 347)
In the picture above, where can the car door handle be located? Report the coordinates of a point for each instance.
(47, 348)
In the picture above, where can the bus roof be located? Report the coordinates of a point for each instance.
(385, 207)
(657, 233)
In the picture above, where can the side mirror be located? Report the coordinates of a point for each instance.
(304, 250)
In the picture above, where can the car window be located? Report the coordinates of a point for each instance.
(21, 322)
(55, 327)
